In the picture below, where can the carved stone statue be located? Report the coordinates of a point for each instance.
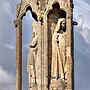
(58, 70)
(31, 68)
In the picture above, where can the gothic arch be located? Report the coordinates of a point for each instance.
(62, 5)
(23, 12)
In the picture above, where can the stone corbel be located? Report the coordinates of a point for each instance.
(16, 22)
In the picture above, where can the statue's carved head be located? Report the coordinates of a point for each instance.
(35, 27)
(62, 24)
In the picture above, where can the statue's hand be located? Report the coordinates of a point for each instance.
(56, 37)
(30, 44)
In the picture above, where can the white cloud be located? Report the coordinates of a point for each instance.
(80, 21)
(7, 40)
(82, 54)
(6, 14)
(83, 4)
(11, 47)
(7, 80)
(86, 34)
(80, 28)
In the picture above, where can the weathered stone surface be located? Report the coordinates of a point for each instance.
(47, 13)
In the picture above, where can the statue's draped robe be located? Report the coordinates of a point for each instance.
(58, 55)
(32, 60)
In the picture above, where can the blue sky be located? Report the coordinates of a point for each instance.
(8, 42)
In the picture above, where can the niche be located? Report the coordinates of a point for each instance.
(52, 18)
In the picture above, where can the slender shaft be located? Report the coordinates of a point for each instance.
(18, 25)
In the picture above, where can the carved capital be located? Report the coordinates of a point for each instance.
(16, 22)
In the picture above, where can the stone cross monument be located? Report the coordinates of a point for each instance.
(50, 58)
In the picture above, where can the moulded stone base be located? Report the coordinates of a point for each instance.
(58, 84)
(32, 87)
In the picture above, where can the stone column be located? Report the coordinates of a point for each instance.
(39, 55)
(18, 25)
(45, 34)
(69, 48)
(42, 55)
